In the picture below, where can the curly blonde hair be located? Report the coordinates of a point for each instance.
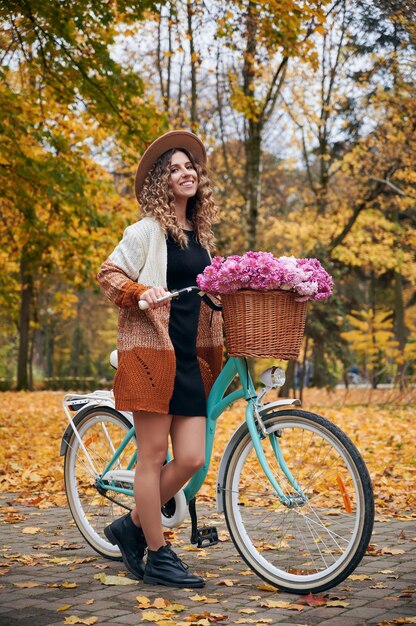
(156, 200)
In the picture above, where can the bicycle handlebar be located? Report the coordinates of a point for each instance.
(144, 305)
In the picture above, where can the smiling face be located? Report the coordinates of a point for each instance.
(183, 176)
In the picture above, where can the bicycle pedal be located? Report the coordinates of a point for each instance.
(206, 536)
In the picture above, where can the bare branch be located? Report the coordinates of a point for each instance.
(394, 187)
(273, 92)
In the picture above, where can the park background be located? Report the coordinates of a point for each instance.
(308, 113)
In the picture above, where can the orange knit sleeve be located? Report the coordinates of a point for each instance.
(118, 287)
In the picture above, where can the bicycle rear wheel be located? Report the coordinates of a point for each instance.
(314, 542)
(101, 429)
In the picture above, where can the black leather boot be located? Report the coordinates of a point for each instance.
(131, 541)
(164, 567)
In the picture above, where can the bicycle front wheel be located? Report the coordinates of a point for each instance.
(101, 430)
(317, 537)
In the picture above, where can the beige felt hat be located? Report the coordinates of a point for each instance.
(172, 139)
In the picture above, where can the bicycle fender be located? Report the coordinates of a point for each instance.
(236, 436)
(78, 417)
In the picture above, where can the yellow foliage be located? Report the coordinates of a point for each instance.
(372, 336)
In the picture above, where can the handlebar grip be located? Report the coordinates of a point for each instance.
(144, 305)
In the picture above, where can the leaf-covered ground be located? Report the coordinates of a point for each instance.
(381, 423)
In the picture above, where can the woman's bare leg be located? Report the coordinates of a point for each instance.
(152, 431)
(188, 446)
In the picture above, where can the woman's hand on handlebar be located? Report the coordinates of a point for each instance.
(152, 295)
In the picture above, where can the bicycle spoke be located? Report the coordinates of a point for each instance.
(307, 537)
(102, 432)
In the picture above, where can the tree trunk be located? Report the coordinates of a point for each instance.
(49, 338)
(194, 119)
(400, 330)
(253, 127)
(253, 165)
(26, 291)
(284, 392)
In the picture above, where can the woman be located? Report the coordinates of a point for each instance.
(168, 355)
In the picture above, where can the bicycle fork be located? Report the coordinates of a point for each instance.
(290, 501)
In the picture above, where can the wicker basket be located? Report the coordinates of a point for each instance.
(263, 323)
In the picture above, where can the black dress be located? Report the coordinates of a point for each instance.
(184, 264)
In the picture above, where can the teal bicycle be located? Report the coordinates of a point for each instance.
(295, 492)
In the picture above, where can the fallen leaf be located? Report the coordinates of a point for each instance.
(115, 580)
(228, 582)
(378, 586)
(66, 585)
(266, 587)
(64, 607)
(281, 604)
(260, 620)
(91, 601)
(312, 600)
(341, 603)
(391, 551)
(161, 618)
(205, 618)
(27, 585)
(359, 577)
(31, 530)
(205, 599)
(248, 611)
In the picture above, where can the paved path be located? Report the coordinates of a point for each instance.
(48, 576)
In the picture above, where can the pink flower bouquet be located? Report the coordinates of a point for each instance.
(262, 271)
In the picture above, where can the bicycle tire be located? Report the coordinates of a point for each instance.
(310, 547)
(91, 510)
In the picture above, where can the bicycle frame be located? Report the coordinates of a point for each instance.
(218, 401)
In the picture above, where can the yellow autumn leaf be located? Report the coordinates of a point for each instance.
(26, 585)
(204, 599)
(228, 582)
(266, 587)
(248, 611)
(281, 604)
(359, 577)
(391, 551)
(247, 620)
(31, 530)
(67, 585)
(115, 580)
(64, 607)
(341, 603)
(151, 616)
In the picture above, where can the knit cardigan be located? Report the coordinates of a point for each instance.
(146, 358)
